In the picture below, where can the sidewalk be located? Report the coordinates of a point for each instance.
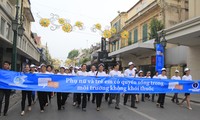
(194, 97)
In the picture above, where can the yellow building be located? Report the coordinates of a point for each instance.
(139, 47)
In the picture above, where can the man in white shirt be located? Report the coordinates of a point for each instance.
(115, 73)
(83, 72)
(187, 77)
(176, 77)
(161, 97)
(130, 72)
(92, 73)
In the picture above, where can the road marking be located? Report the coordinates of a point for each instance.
(140, 113)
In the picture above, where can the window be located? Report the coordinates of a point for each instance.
(135, 35)
(117, 25)
(113, 46)
(8, 31)
(3, 22)
(144, 33)
(130, 38)
(117, 44)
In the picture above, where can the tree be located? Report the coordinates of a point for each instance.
(155, 26)
(56, 63)
(72, 54)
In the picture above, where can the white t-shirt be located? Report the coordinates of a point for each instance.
(101, 73)
(162, 77)
(129, 73)
(176, 77)
(81, 73)
(155, 77)
(185, 77)
(61, 74)
(114, 73)
(92, 73)
(147, 77)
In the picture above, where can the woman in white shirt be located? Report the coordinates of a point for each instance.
(99, 96)
(154, 77)
(115, 73)
(140, 75)
(187, 77)
(176, 77)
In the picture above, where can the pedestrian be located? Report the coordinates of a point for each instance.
(25, 94)
(130, 72)
(115, 73)
(42, 96)
(187, 77)
(99, 96)
(161, 97)
(176, 77)
(49, 94)
(92, 73)
(148, 75)
(33, 71)
(140, 75)
(5, 92)
(61, 96)
(83, 72)
(154, 77)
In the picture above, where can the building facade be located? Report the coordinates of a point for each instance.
(139, 46)
(27, 47)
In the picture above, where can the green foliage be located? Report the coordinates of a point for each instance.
(72, 54)
(155, 26)
(84, 60)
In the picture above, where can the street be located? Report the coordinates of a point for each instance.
(146, 111)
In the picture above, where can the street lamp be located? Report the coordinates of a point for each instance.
(18, 30)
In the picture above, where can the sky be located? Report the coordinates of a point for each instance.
(89, 12)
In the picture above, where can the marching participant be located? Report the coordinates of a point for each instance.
(187, 77)
(33, 70)
(99, 96)
(92, 73)
(61, 96)
(140, 75)
(83, 72)
(154, 77)
(115, 73)
(130, 72)
(49, 94)
(161, 97)
(26, 93)
(176, 77)
(5, 92)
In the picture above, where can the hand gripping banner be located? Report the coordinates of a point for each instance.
(80, 84)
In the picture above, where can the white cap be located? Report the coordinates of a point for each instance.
(135, 68)
(66, 68)
(42, 65)
(32, 66)
(140, 71)
(76, 67)
(130, 63)
(176, 71)
(186, 69)
(163, 69)
(39, 67)
(62, 66)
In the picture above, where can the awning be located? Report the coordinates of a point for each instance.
(186, 33)
(29, 14)
(134, 49)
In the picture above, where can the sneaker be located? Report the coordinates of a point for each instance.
(63, 107)
(98, 109)
(42, 111)
(134, 107)
(158, 104)
(78, 106)
(22, 113)
(74, 104)
(161, 106)
(189, 108)
(29, 108)
(83, 109)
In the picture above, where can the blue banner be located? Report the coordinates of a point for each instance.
(80, 84)
(159, 57)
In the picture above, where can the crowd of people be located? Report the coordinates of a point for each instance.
(80, 99)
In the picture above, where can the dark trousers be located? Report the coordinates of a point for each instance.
(143, 97)
(74, 97)
(152, 98)
(46, 97)
(88, 95)
(161, 99)
(84, 99)
(49, 96)
(6, 93)
(93, 97)
(42, 99)
(106, 96)
(175, 97)
(133, 98)
(24, 94)
(98, 99)
(61, 99)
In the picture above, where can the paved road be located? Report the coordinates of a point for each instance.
(146, 111)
